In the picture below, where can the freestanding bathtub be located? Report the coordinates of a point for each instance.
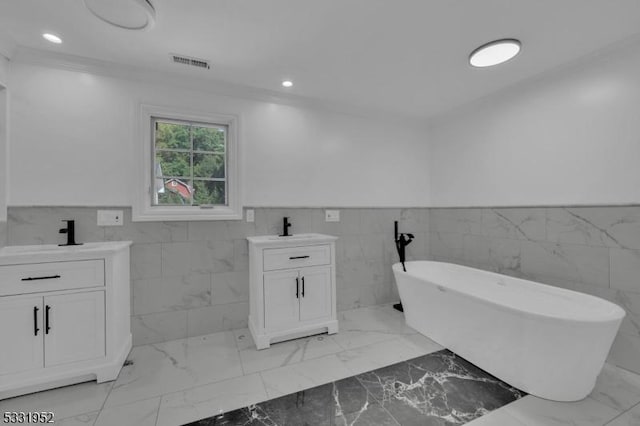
(544, 340)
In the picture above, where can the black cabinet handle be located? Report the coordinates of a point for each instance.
(35, 321)
(46, 319)
(302, 286)
(50, 277)
(298, 257)
(297, 288)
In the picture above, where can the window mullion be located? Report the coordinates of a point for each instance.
(191, 157)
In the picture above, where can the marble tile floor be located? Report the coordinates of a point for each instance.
(185, 380)
(437, 389)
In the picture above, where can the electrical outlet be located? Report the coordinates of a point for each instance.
(110, 218)
(251, 215)
(332, 215)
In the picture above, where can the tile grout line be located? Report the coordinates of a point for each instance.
(158, 410)
(623, 413)
(375, 399)
(110, 390)
(235, 339)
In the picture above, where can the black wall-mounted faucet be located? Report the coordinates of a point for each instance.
(285, 227)
(70, 230)
(402, 241)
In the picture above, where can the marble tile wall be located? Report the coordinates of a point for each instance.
(3, 233)
(594, 250)
(192, 278)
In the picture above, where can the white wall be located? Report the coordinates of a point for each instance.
(570, 137)
(4, 69)
(73, 136)
(4, 105)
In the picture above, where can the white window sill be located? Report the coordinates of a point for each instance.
(165, 214)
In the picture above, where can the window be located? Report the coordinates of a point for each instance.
(188, 166)
(190, 163)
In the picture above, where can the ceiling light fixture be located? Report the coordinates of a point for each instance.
(494, 53)
(126, 14)
(287, 83)
(52, 38)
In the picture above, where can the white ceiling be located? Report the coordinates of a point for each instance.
(404, 56)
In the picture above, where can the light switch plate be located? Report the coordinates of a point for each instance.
(110, 218)
(251, 216)
(332, 215)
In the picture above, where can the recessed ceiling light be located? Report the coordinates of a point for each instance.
(125, 14)
(494, 53)
(287, 83)
(52, 38)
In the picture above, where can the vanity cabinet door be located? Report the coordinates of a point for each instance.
(21, 331)
(315, 293)
(74, 327)
(281, 299)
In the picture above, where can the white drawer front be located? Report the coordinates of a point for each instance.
(296, 257)
(40, 277)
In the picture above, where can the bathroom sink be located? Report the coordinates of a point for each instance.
(53, 252)
(275, 239)
(291, 237)
(30, 249)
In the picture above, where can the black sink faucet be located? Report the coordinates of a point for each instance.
(70, 230)
(285, 227)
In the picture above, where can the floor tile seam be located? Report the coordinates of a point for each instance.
(134, 401)
(244, 373)
(158, 411)
(215, 381)
(292, 363)
(380, 403)
(109, 393)
(615, 418)
(626, 370)
(162, 397)
(618, 410)
(392, 336)
(398, 338)
(370, 396)
(623, 413)
(97, 412)
(264, 388)
(206, 383)
(321, 381)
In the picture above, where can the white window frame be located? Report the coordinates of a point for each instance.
(143, 209)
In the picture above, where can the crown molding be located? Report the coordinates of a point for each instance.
(30, 56)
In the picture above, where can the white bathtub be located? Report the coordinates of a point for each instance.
(544, 340)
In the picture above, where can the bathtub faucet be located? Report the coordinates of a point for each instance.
(402, 241)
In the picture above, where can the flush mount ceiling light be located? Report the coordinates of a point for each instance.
(287, 83)
(127, 14)
(494, 53)
(52, 38)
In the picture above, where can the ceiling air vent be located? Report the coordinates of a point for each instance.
(188, 60)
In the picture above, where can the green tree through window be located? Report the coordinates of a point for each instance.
(189, 163)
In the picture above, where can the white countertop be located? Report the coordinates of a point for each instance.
(276, 240)
(54, 253)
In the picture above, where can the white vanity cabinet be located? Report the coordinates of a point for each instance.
(64, 315)
(293, 287)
